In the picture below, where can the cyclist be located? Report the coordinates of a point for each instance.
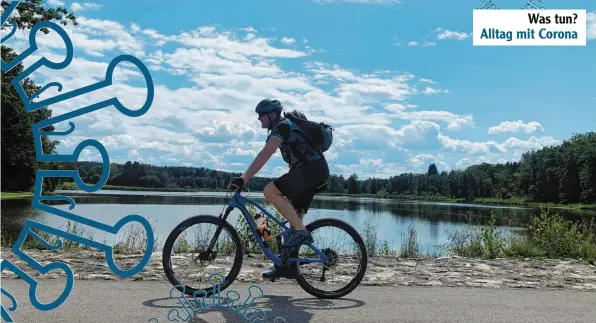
(292, 193)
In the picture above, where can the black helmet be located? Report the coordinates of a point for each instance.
(267, 105)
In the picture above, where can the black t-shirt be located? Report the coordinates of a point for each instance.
(281, 131)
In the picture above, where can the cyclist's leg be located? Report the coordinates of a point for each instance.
(301, 199)
(304, 189)
(282, 193)
(300, 215)
(289, 185)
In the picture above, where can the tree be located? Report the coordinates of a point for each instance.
(353, 185)
(432, 170)
(18, 151)
(373, 187)
(31, 12)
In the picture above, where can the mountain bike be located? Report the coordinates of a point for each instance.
(296, 262)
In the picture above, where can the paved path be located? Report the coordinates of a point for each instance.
(111, 301)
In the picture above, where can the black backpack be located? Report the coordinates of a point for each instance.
(318, 134)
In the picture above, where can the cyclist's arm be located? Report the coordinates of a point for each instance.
(270, 147)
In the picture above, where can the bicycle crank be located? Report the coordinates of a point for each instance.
(206, 256)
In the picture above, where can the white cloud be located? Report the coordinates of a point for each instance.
(423, 80)
(371, 162)
(430, 91)
(421, 161)
(469, 147)
(453, 121)
(463, 163)
(591, 25)
(224, 130)
(94, 37)
(365, 169)
(361, 88)
(359, 1)
(235, 151)
(84, 6)
(425, 44)
(375, 137)
(209, 37)
(249, 29)
(288, 41)
(532, 143)
(516, 127)
(448, 34)
(57, 3)
(515, 145)
(207, 119)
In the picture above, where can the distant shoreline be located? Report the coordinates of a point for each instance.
(481, 200)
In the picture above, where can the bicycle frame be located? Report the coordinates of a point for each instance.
(239, 201)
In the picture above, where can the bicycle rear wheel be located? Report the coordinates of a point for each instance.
(190, 255)
(344, 257)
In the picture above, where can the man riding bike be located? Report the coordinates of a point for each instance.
(292, 193)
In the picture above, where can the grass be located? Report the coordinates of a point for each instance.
(525, 202)
(410, 247)
(131, 241)
(547, 235)
(16, 195)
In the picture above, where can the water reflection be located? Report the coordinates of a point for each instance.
(433, 221)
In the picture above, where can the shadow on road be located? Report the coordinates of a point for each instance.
(275, 309)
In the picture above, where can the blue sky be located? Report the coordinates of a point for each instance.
(400, 81)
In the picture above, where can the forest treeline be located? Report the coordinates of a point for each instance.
(559, 174)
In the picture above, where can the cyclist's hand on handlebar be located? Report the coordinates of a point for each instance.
(236, 183)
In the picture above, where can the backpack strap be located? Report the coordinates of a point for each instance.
(294, 145)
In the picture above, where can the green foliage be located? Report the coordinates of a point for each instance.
(548, 235)
(473, 242)
(385, 250)
(432, 170)
(493, 242)
(249, 244)
(556, 237)
(354, 185)
(31, 12)
(410, 245)
(369, 235)
(18, 152)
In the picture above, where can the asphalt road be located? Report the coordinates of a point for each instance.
(111, 301)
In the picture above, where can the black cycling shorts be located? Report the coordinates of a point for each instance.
(300, 183)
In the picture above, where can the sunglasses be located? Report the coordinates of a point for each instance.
(262, 114)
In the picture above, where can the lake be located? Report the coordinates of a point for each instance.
(388, 218)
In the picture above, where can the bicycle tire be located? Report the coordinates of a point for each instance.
(354, 282)
(169, 243)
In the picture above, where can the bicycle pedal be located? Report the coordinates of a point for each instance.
(286, 254)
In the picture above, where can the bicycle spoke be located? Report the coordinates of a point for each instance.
(345, 262)
(190, 262)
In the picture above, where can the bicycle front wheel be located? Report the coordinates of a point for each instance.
(187, 262)
(347, 260)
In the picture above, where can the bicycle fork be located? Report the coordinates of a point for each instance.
(209, 250)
